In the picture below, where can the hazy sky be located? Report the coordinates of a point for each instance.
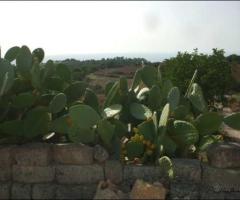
(115, 27)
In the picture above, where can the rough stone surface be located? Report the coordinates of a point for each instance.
(75, 191)
(230, 133)
(100, 153)
(74, 174)
(224, 155)
(148, 173)
(43, 191)
(5, 173)
(145, 190)
(73, 154)
(6, 156)
(5, 190)
(21, 191)
(218, 179)
(34, 154)
(186, 170)
(184, 191)
(107, 190)
(29, 174)
(114, 171)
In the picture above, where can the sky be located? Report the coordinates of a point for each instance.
(117, 27)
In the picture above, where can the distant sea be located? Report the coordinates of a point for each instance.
(152, 57)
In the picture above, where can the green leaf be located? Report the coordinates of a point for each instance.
(197, 99)
(75, 91)
(12, 53)
(147, 129)
(36, 122)
(60, 125)
(106, 131)
(134, 149)
(84, 116)
(112, 110)
(6, 76)
(91, 99)
(58, 103)
(184, 133)
(233, 120)
(39, 54)
(136, 80)
(173, 98)
(154, 98)
(23, 100)
(140, 111)
(79, 134)
(149, 76)
(208, 123)
(24, 61)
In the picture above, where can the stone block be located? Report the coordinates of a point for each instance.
(218, 179)
(75, 191)
(73, 154)
(186, 170)
(114, 171)
(147, 173)
(5, 173)
(5, 190)
(145, 190)
(30, 174)
(21, 191)
(73, 174)
(224, 155)
(182, 190)
(43, 191)
(34, 154)
(6, 158)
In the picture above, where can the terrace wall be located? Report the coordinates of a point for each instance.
(69, 171)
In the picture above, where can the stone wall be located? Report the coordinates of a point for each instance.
(69, 171)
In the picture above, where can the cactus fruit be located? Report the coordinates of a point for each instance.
(140, 111)
(208, 123)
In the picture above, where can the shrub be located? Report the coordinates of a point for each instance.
(214, 72)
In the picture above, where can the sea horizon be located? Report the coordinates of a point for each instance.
(152, 57)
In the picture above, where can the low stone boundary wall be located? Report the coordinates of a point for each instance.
(69, 171)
